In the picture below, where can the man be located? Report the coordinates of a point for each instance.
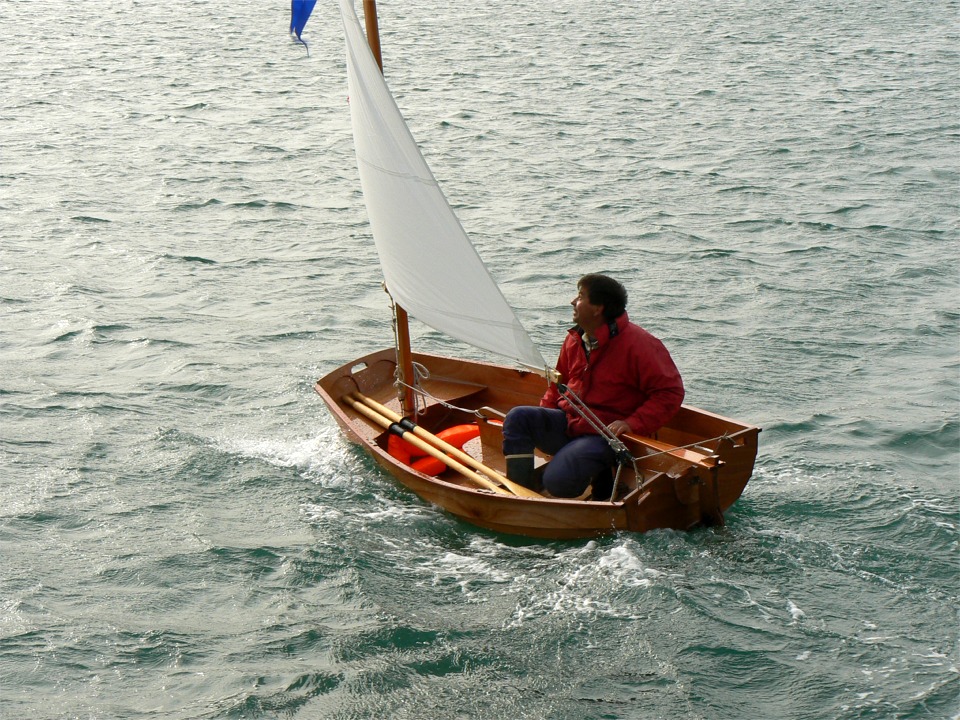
(620, 371)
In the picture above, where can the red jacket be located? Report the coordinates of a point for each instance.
(630, 376)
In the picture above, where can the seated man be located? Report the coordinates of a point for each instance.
(620, 371)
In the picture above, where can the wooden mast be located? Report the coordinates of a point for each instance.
(401, 319)
(373, 29)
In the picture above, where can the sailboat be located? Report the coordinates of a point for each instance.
(435, 423)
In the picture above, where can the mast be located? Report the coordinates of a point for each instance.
(373, 29)
(401, 319)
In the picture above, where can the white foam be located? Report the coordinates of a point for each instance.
(594, 584)
(323, 454)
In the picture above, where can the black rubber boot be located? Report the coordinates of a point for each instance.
(520, 470)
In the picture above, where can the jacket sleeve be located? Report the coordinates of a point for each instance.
(663, 387)
(550, 397)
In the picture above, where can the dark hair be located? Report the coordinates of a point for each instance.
(603, 290)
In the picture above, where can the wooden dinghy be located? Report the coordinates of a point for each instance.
(689, 475)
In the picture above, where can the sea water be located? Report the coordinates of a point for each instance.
(184, 532)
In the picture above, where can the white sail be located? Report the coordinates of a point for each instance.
(429, 264)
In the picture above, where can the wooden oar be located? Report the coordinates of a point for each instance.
(385, 422)
(449, 449)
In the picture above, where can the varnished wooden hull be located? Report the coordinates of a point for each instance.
(677, 489)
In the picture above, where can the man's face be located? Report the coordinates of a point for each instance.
(585, 314)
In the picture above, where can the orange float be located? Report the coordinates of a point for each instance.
(458, 435)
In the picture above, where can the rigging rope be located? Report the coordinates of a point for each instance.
(422, 372)
(620, 450)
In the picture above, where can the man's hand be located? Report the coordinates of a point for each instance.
(618, 428)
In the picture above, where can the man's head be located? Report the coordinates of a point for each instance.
(606, 292)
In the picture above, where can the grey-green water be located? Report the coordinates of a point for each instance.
(185, 534)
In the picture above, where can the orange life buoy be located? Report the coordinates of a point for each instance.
(429, 465)
(401, 449)
(459, 435)
(420, 461)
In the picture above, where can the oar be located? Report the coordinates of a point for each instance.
(474, 477)
(463, 457)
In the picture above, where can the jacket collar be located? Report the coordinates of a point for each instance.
(605, 332)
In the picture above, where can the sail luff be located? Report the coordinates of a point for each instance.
(430, 266)
(400, 318)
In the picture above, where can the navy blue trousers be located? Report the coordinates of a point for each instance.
(575, 460)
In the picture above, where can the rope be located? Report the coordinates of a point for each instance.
(422, 373)
(622, 453)
(616, 444)
(692, 445)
